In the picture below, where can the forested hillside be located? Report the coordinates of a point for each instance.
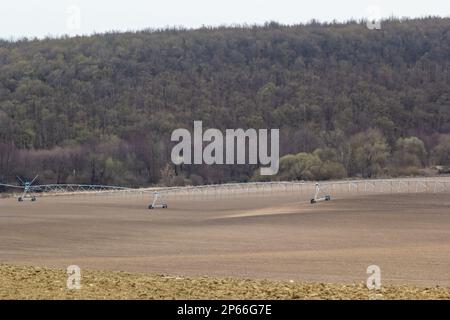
(348, 101)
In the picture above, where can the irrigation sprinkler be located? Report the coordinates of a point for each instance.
(154, 204)
(317, 198)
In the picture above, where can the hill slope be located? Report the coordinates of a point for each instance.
(108, 103)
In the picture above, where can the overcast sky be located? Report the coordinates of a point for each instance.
(40, 18)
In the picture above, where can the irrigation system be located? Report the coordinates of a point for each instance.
(306, 190)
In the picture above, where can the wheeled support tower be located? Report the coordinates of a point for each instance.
(26, 196)
(317, 198)
(26, 191)
(154, 204)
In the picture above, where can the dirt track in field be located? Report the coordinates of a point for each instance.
(270, 237)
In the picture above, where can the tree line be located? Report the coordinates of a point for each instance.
(348, 101)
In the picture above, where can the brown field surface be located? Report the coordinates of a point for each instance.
(21, 282)
(210, 240)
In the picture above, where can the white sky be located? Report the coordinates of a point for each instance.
(40, 18)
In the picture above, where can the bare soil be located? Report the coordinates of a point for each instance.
(19, 282)
(257, 237)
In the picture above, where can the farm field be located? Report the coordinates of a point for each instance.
(270, 237)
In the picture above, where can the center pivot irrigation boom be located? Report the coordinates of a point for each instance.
(317, 198)
(29, 189)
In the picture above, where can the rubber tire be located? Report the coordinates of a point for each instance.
(150, 207)
(20, 199)
(313, 201)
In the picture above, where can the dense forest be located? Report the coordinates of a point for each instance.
(349, 101)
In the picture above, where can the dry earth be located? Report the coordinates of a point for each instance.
(41, 283)
(260, 237)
